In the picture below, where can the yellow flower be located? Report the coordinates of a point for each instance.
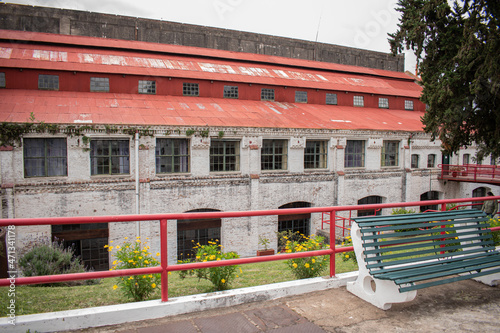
(140, 257)
(126, 237)
(111, 241)
(105, 246)
(347, 256)
(223, 281)
(313, 260)
(306, 265)
(114, 262)
(157, 254)
(153, 285)
(114, 287)
(294, 265)
(131, 278)
(146, 262)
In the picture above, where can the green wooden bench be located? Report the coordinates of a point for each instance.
(399, 254)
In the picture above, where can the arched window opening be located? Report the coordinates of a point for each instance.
(431, 195)
(372, 199)
(196, 231)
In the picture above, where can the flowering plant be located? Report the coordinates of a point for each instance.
(308, 267)
(221, 276)
(346, 256)
(135, 255)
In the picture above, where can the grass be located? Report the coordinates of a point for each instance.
(40, 299)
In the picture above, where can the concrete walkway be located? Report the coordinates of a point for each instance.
(465, 306)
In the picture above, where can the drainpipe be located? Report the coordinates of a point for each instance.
(137, 211)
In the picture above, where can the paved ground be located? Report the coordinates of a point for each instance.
(466, 306)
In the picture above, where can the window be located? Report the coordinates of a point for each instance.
(2, 80)
(298, 223)
(315, 155)
(224, 155)
(147, 87)
(359, 101)
(99, 84)
(390, 153)
(45, 157)
(172, 155)
(331, 99)
(409, 105)
(414, 161)
(193, 232)
(48, 82)
(274, 155)
(354, 154)
(431, 195)
(230, 92)
(109, 157)
(431, 160)
(301, 97)
(465, 159)
(383, 103)
(267, 94)
(190, 89)
(372, 199)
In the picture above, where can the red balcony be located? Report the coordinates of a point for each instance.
(475, 173)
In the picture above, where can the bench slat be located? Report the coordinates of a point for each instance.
(425, 225)
(376, 236)
(420, 259)
(429, 216)
(386, 243)
(432, 262)
(436, 266)
(449, 280)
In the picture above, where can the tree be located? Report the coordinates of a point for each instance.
(458, 58)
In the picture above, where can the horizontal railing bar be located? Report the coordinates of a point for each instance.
(202, 215)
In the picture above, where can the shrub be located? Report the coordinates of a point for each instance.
(52, 258)
(134, 255)
(346, 256)
(288, 235)
(303, 268)
(496, 234)
(220, 277)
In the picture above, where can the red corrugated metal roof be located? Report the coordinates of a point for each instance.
(93, 42)
(142, 110)
(38, 56)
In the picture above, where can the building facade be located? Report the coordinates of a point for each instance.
(83, 118)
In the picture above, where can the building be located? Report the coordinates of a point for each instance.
(202, 130)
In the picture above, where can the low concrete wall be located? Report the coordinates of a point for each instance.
(122, 313)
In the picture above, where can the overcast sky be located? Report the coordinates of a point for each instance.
(356, 23)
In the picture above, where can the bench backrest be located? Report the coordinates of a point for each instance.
(394, 240)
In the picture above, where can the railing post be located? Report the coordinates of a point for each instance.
(164, 260)
(333, 215)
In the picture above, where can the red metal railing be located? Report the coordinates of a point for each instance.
(164, 268)
(471, 172)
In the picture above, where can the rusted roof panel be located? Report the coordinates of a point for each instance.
(93, 42)
(134, 63)
(143, 110)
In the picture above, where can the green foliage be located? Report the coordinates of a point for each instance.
(403, 210)
(190, 132)
(52, 258)
(346, 256)
(494, 222)
(303, 268)
(456, 44)
(135, 255)
(288, 235)
(220, 277)
(264, 242)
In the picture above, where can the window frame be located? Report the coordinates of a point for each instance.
(227, 162)
(417, 164)
(464, 158)
(3, 81)
(358, 100)
(433, 164)
(317, 158)
(94, 158)
(383, 103)
(331, 99)
(46, 158)
(355, 161)
(171, 160)
(48, 82)
(99, 84)
(147, 87)
(278, 161)
(390, 156)
(231, 92)
(300, 96)
(265, 94)
(190, 89)
(409, 105)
